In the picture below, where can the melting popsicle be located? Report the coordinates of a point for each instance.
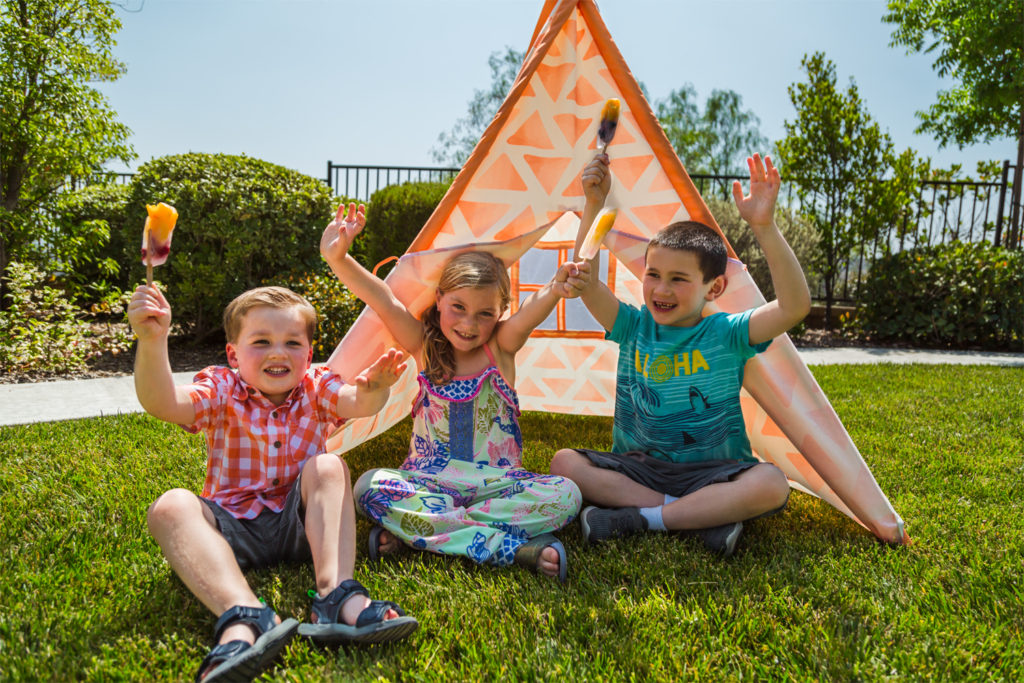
(609, 122)
(602, 224)
(156, 236)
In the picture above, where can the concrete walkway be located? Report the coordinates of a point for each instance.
(66, 400)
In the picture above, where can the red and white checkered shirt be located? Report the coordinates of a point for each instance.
(254, 448)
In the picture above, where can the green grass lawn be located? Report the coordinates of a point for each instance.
(85, 593)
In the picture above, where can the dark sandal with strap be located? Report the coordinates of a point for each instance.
(372, 625)
(374, 551)
(528, 554)
(237, 660)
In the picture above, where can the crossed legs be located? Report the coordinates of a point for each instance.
(753, 492)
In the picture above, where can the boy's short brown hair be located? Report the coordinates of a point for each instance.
(271, 297)
(704, 241)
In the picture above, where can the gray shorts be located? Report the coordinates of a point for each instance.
(677, 479)
(271, 538)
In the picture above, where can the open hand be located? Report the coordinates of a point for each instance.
(339, 233)
(149, 314)
(597, 179)
(572, 278)
(384, 372)
(758, 208)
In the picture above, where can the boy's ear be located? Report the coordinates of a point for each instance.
(718, 286)
(232, 355)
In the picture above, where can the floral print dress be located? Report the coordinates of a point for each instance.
(462, 489)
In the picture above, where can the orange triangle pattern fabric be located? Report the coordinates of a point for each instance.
(526, 169)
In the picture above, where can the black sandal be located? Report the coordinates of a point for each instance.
(237, 660)
(372, 625)
(528, 554)
(373, 545)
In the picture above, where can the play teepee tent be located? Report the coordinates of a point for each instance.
(519, 196)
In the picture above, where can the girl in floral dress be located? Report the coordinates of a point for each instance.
(462, 490)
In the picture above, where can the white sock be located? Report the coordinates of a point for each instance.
(669, 499)
(653, 517)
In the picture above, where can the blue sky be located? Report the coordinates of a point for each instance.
(298, 82)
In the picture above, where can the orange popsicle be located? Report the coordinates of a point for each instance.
(609, 122)
(156, 236)
(602, 224)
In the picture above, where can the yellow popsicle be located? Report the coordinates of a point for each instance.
(602, 224)
(156, 235)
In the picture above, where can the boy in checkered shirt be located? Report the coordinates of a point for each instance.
(272, 493)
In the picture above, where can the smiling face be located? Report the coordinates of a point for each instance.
(468, 316)
(674, 287)
(272, 351)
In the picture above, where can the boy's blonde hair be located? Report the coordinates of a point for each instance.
(471, 269)
(270, 297)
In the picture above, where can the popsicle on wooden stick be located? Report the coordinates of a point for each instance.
(609, 122)
(156, 236)
(602, 224)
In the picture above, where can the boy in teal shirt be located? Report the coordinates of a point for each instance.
(680, 459)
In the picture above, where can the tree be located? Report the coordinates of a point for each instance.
(980, 44)
(455, 146)
(835, 154)
(53, 124)
(715, 141)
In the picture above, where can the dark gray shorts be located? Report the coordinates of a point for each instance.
(674, 478)
(272, 537)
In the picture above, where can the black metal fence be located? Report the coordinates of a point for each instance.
(944, 211)
(104, 178)
(360, 182)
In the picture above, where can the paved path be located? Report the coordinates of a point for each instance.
(65, 400)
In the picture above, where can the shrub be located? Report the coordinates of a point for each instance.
(336, 307)
(241, 221)
(799, 232)
(42, 330)
(957, 295)
(94, 246)
(395, 216)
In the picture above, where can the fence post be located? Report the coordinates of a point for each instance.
(1002, 201)
(1014, 233)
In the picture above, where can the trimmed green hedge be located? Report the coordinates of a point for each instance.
(961, 295)
(241, 222)
(95, 240)
(395, 215)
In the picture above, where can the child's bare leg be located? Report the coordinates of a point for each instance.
(606, 488)
(753, 492)
(331, 528)
(186, 531)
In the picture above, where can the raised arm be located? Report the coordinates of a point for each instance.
(569, 282)
(370, 289)
(150, 317)
(597, 297)
(793, 298)
(370, 391)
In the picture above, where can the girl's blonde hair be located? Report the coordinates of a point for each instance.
(471, 269)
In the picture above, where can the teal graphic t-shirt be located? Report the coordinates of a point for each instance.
(677, 393)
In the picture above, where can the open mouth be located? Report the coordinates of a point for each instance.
(466, 337)
(662, 307)
(277, 371)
